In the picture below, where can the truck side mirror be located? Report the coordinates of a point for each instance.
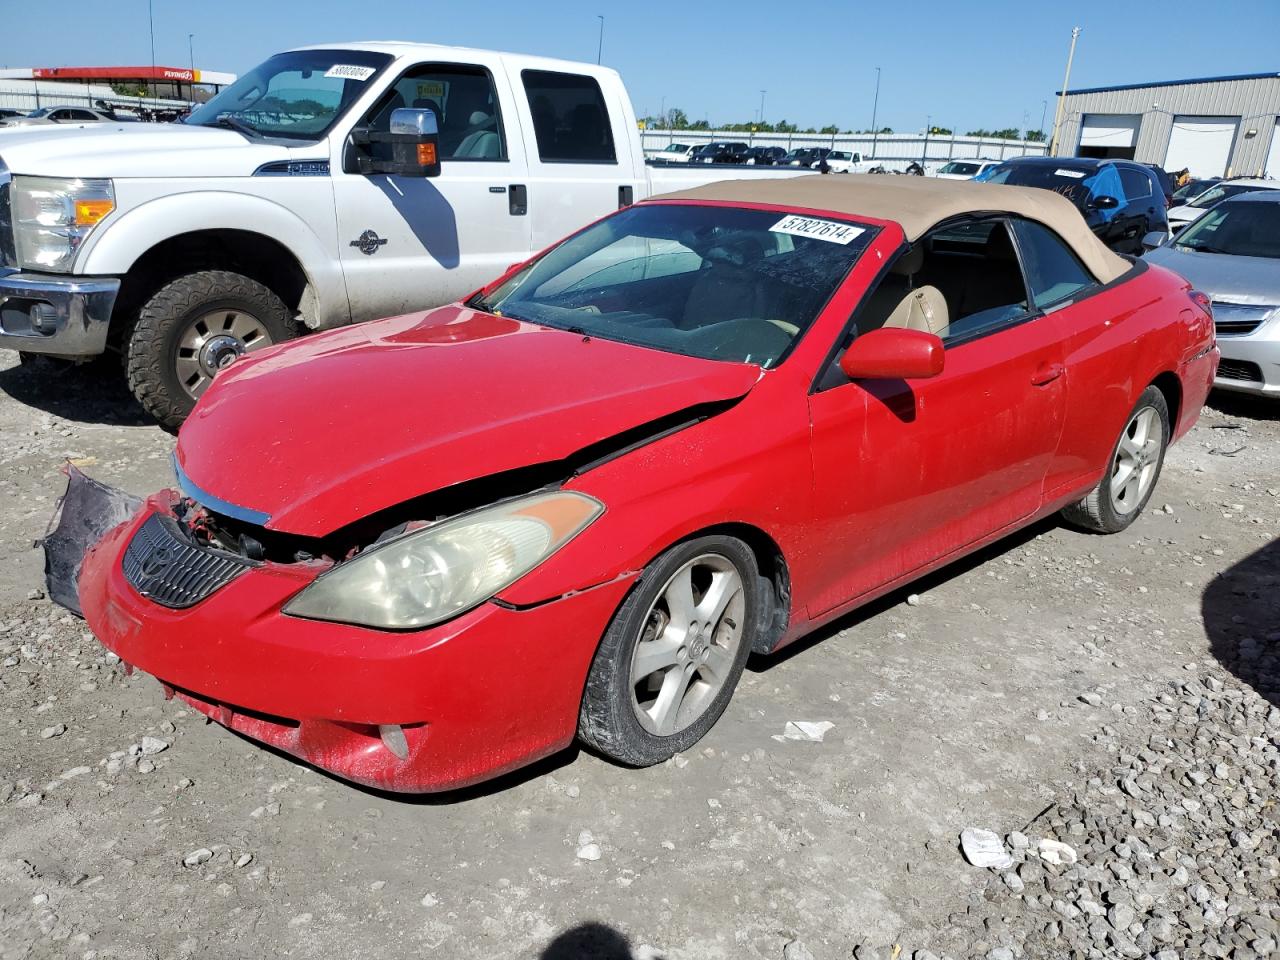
(414, 136)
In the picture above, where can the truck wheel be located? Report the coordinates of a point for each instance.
(190, 329)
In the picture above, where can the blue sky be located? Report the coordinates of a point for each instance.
(988, 63)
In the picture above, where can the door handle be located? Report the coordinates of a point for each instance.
(626, 196)
(518, 199)
(1046, 373)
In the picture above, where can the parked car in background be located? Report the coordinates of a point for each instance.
(8, 113)
(1192, 210)
(672, 153)
(720, 151)
(1192, 189)
(964, 169)
(1122, 201)
(845, 161)
(268, 215)
(659, 466)
(766, 156)
(1165, 181)
(805, 156)
(47, 115)
(1232, 253)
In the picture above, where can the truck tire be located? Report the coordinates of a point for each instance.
(192, 327)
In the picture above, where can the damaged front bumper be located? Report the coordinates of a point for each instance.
(412, 711)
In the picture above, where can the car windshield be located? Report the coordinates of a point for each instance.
(297, 95)
(955, 166)
(1072, 182)
(1193, 189)
(1217, 194)
(716, 282)
(1241, 228)
(675, 148)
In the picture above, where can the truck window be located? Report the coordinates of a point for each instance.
(465, 104)
(569, 117)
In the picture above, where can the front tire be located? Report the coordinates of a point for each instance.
(672, 655)
(1134, 468)
(192, 327)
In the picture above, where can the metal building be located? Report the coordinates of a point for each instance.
(1213, 126)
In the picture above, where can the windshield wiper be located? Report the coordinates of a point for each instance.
(1200, 247)
(232, 122)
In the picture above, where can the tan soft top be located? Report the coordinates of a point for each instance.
(917, 204)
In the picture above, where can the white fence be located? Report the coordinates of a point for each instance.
(28, 95)
(893, 150)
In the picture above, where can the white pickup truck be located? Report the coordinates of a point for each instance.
(326, 186)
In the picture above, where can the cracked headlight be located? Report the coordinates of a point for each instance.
(429, 575)
(52, 217)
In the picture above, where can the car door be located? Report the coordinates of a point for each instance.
(407, 243)
(908, 472)
(1145, 201)
(580, 161)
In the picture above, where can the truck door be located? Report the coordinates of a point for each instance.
(581, 163)
(408, 243)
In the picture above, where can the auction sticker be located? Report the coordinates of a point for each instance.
(827, 230)
(350, 71)
(1074, 174)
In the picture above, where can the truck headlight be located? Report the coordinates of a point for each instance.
(52, 216)
(429, 575)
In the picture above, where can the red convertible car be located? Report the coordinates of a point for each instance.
(422, 551)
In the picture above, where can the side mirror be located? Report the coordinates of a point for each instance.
(893, 353)
(1104, 202)
(1156, 238)
(414, 135)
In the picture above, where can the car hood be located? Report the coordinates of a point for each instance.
(1185, 214)
(1221, 276)
(311, 436)
(123, 150)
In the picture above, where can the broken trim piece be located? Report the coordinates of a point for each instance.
(192, 491)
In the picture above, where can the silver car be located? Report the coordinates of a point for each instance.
(1232, 253)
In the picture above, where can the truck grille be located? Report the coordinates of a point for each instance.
(8, 254)
(1238, 319)
(163, 566)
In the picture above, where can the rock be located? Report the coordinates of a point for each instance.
(75, 772)
(795, 950)
(1121, 916)
(429, 900)
(1092, 699)
(145, 766)
(1018, 841)
(982, 848)
(1057, 853)
(57, 730)
(244, 860)
(1014, 882)
(806, 730)
(913, 599)
(1000, 953)
(589, 851)
(150, 746)
(197, 857)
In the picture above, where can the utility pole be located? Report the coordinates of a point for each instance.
(600, 45)
(762, 93)
(928, 123)
(1062, 97)
(875, 105)
(1044, 107)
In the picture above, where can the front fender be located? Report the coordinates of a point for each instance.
(113, 249)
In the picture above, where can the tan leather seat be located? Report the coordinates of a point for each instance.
(924, 308)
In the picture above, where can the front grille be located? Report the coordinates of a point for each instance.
(1239, 370)
(1238, 319)
(165, 567)
(8, 253)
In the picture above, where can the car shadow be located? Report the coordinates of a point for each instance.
(1241, 613)
(88, 393)
(1244, 405)
(761, 663)
(589, 941)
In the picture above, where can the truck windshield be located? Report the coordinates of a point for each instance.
(716, 282)
(297, 95)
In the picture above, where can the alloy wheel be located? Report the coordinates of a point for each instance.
(688, 645)
(1137, 460)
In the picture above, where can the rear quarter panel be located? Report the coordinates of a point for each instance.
(1142, 327)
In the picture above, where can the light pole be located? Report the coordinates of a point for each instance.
(1044, 107)
(600, 45)
(191, 51)
(662, 114)
(875, 105)
(151, 20)
(762, 93)
(1062, 98)
(928, 123)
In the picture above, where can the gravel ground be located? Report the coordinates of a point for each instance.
(1114, 694)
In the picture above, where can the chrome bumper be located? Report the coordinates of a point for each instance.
(63, 316)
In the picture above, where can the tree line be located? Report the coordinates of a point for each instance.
(677, 119)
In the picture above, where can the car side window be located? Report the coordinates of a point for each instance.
(570, 119)
(1053, 271)
(1137, 185)
(464, 101)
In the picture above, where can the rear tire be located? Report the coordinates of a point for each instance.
(696, 648)
(191, 327)
(1132, 472)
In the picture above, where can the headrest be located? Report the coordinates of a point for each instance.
(910, 262)
(479, 118)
